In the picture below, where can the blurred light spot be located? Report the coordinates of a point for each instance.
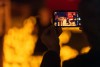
(72, 29)
(19, 45)
(64, 37)
(68, 53)
(85, 50)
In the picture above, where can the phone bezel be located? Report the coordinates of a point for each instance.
(64, 11)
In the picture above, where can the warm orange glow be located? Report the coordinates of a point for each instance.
(72, 29)
(19, 45)
(68, 53)
(64, 37)
(85, 50)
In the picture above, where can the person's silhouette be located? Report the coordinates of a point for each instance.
(90, 24)
(52, 57)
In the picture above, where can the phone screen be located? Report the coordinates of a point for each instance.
(66, 19)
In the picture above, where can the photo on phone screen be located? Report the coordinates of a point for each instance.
(66, 18)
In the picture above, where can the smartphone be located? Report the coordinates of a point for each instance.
(69, 18)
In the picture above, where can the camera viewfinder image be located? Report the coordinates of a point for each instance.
(67, 19)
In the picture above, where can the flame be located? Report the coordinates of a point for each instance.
(68, 53)
(64, 37)
(19, 45)
(85, 50)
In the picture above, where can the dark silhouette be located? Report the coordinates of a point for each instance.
(1, 50)
(40, 47)
(44, 23)
(35, 5)
(51, 41)
(51, 59)
(90, 15)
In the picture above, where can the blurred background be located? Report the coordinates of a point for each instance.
(17, 38)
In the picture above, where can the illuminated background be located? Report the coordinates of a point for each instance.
(72, 40)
